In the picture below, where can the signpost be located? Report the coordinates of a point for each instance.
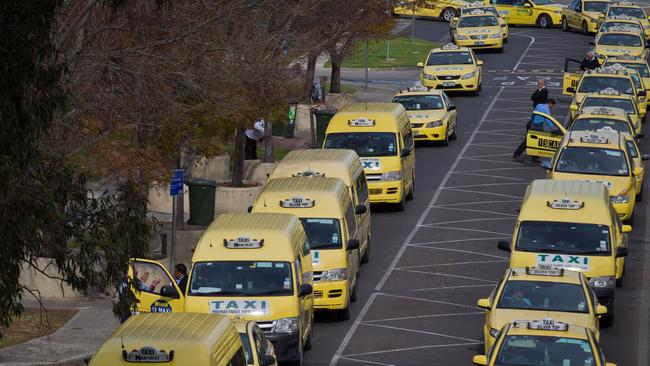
(175, 190)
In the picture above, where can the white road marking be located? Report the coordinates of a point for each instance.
(426, 316)
(433, 226)
(450, 287)
(470, 220)
(478, 202)
(427, 300)
(462, 251)
(366, 361)
(450, 264)
(477, 211)
(456, 241)
(489, 175)
(446, 275)
(413, 348)
(491, 161)
(420, 331)
(490, 184)
(479, 192)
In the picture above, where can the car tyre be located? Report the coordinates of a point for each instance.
(344, 314)
(544, 21)
(445, 142)
(411, 194)
(565, 24)
(454, 135)
(366, 255)
(505, 40)
(448, 14)
(584, 28)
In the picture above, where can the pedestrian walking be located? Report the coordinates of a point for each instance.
(540, 95)
(180, 276)
(542, 108)
(253, 136)
(590, 62)
(316, 92)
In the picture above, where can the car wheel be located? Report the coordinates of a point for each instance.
(565, 25)
(353, 295)
(505, 40)
(445, 142)
(639, 196)
(585, 28)
(409, 196)
(344, 314)
(311, 336)
(453, 135)
(448, 14)
(544, 21)
(366, 255)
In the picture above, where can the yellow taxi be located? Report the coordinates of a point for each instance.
(584, 15)
(443, 9)
(477, 29)
(544, 342)
(631, 10)
(572, 225)
(503, 23)
(431, 112)
(535, 292)
(621, 21)
(451, 68)
(620, 41)
(602, 119)
(638, 160)
(638, 64)
(601, 157)
(543, 135)
(542, 13)
(610, 98)
(380, 133)
(259, 351)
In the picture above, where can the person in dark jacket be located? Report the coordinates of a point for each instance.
(180, 276)
(590, 62)
(540, 96)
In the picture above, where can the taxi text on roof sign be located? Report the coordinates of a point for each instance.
(361, 122)
(609, 91)
(542, 270)
(594, 139)
(477, 12)
(308, 173)
(620, 28)
(297, 202)
(148, 354)
(547, 324)
(620, 17)
(243, 242)
(565, 204)
(450, 46)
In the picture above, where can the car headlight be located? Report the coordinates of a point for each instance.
(602, 282)
(286, 325)
(433, 124)
(469, 75)
(428, 76)
(461, 37)
(494, 332)
(339, 274)
(397, 175)
(623, 197)
(495, 35)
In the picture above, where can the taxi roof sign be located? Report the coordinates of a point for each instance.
(477, 12)
(542, 270)
(624, 3)
(243, 242)
(594, 139)
(565, 204)
(609, 91)
(450, 46)
(620, 17)
(308, 173)
(548, 324)
(361, 122)
(606, 129)
(418, 87)
(297, 202)
(621, 28)
(147, 354)
(603, 111)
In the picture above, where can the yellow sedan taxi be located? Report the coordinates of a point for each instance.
(542, 13)
(451, 68)
(537, 292)
(544, 342)
(621, 21)
(638, 64)
(610, 98)
(443, 9)
(503, 23)
(584, 15)
(631, 10)
(606, 119)
(600, 157)
(620, 41)
(431, 113)
(477, 29)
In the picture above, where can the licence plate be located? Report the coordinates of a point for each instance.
(479, 43)
(448, 83)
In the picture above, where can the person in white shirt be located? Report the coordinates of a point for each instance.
(253, 136)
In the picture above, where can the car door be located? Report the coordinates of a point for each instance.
(571, 77)
(544, 135)
(353, 257)
(151, 276)
(408, 161)
(453, 115)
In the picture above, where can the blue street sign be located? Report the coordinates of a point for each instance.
(176, 185)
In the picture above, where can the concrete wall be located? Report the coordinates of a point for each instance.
(47, 287)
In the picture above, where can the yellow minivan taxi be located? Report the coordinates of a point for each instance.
(538, 292)
(381, 134)
(253, 266)
(328, 216)
(571, 224)
(335, 163)
(173, 339)
(600, 157)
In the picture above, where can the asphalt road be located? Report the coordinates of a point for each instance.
(430, 263)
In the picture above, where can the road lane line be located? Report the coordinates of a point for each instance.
(366, 361)
(451, 288)
(446, 275)
(469, 220)
(464, 251)
(485, 193)
(490, 184)
(420, 331)
(433, 226)
(412, 349)
(427, 300)
(532, 41)
(426, 316)
(452, 240)
(451, 264)
(477, 211)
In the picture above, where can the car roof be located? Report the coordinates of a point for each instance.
(450, 47)
(522, 274)
(607, 140)
(437, 92)
(597, 112)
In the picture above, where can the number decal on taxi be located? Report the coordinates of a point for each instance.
(548, 144)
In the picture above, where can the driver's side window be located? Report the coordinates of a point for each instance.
(543, 124)
(151, 277)
(577, 5)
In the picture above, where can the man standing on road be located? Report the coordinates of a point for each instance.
(542, 108)
(540, 96)
(590, 62)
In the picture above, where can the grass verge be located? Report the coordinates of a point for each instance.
(401, 53)
(31, 325)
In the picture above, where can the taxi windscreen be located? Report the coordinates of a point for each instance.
(364, 143)
(593, 84)
(624, 104)
(615, 39)
(543, 296)
(594, 124)
(520, 350)
(478, 21)
(322, 233)
(607, 25)
(642, 69)
(241, 278)
(592, 160)
(599, 6)
(630, 12)
(419, 102)
(449, 58)
(563, 237)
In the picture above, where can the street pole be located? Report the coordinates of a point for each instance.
(365, 83)
(387, 50)
(173, 246)
(413, 24)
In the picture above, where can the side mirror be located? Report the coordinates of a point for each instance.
(621, 252)
(451, 108)
(483, 303)
(626, 229)
(571, 89)
(503, 25)
(601, 16)
(405, 152)
(420, 65)
(353, 244)
(360, 209)
(637, 171)
(479, 360)
(601, 309)
(527, 5)
(645, 156)
(479, 62)
(267, 360)
(642, 93)
(546, 164)
(592, 43)
(250, 209)
(305, 289)
(454, 19)
(169, 291)
(504, 245)
(573, 107)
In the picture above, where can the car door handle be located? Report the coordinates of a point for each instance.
(534, 137)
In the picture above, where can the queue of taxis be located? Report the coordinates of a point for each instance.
(610, 98)
(631, 10)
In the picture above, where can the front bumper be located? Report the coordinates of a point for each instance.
(470, 84)
(625, 210)
(385, 192)
(331, 295)
(430, 134)
(286, 346)
(481, 43)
